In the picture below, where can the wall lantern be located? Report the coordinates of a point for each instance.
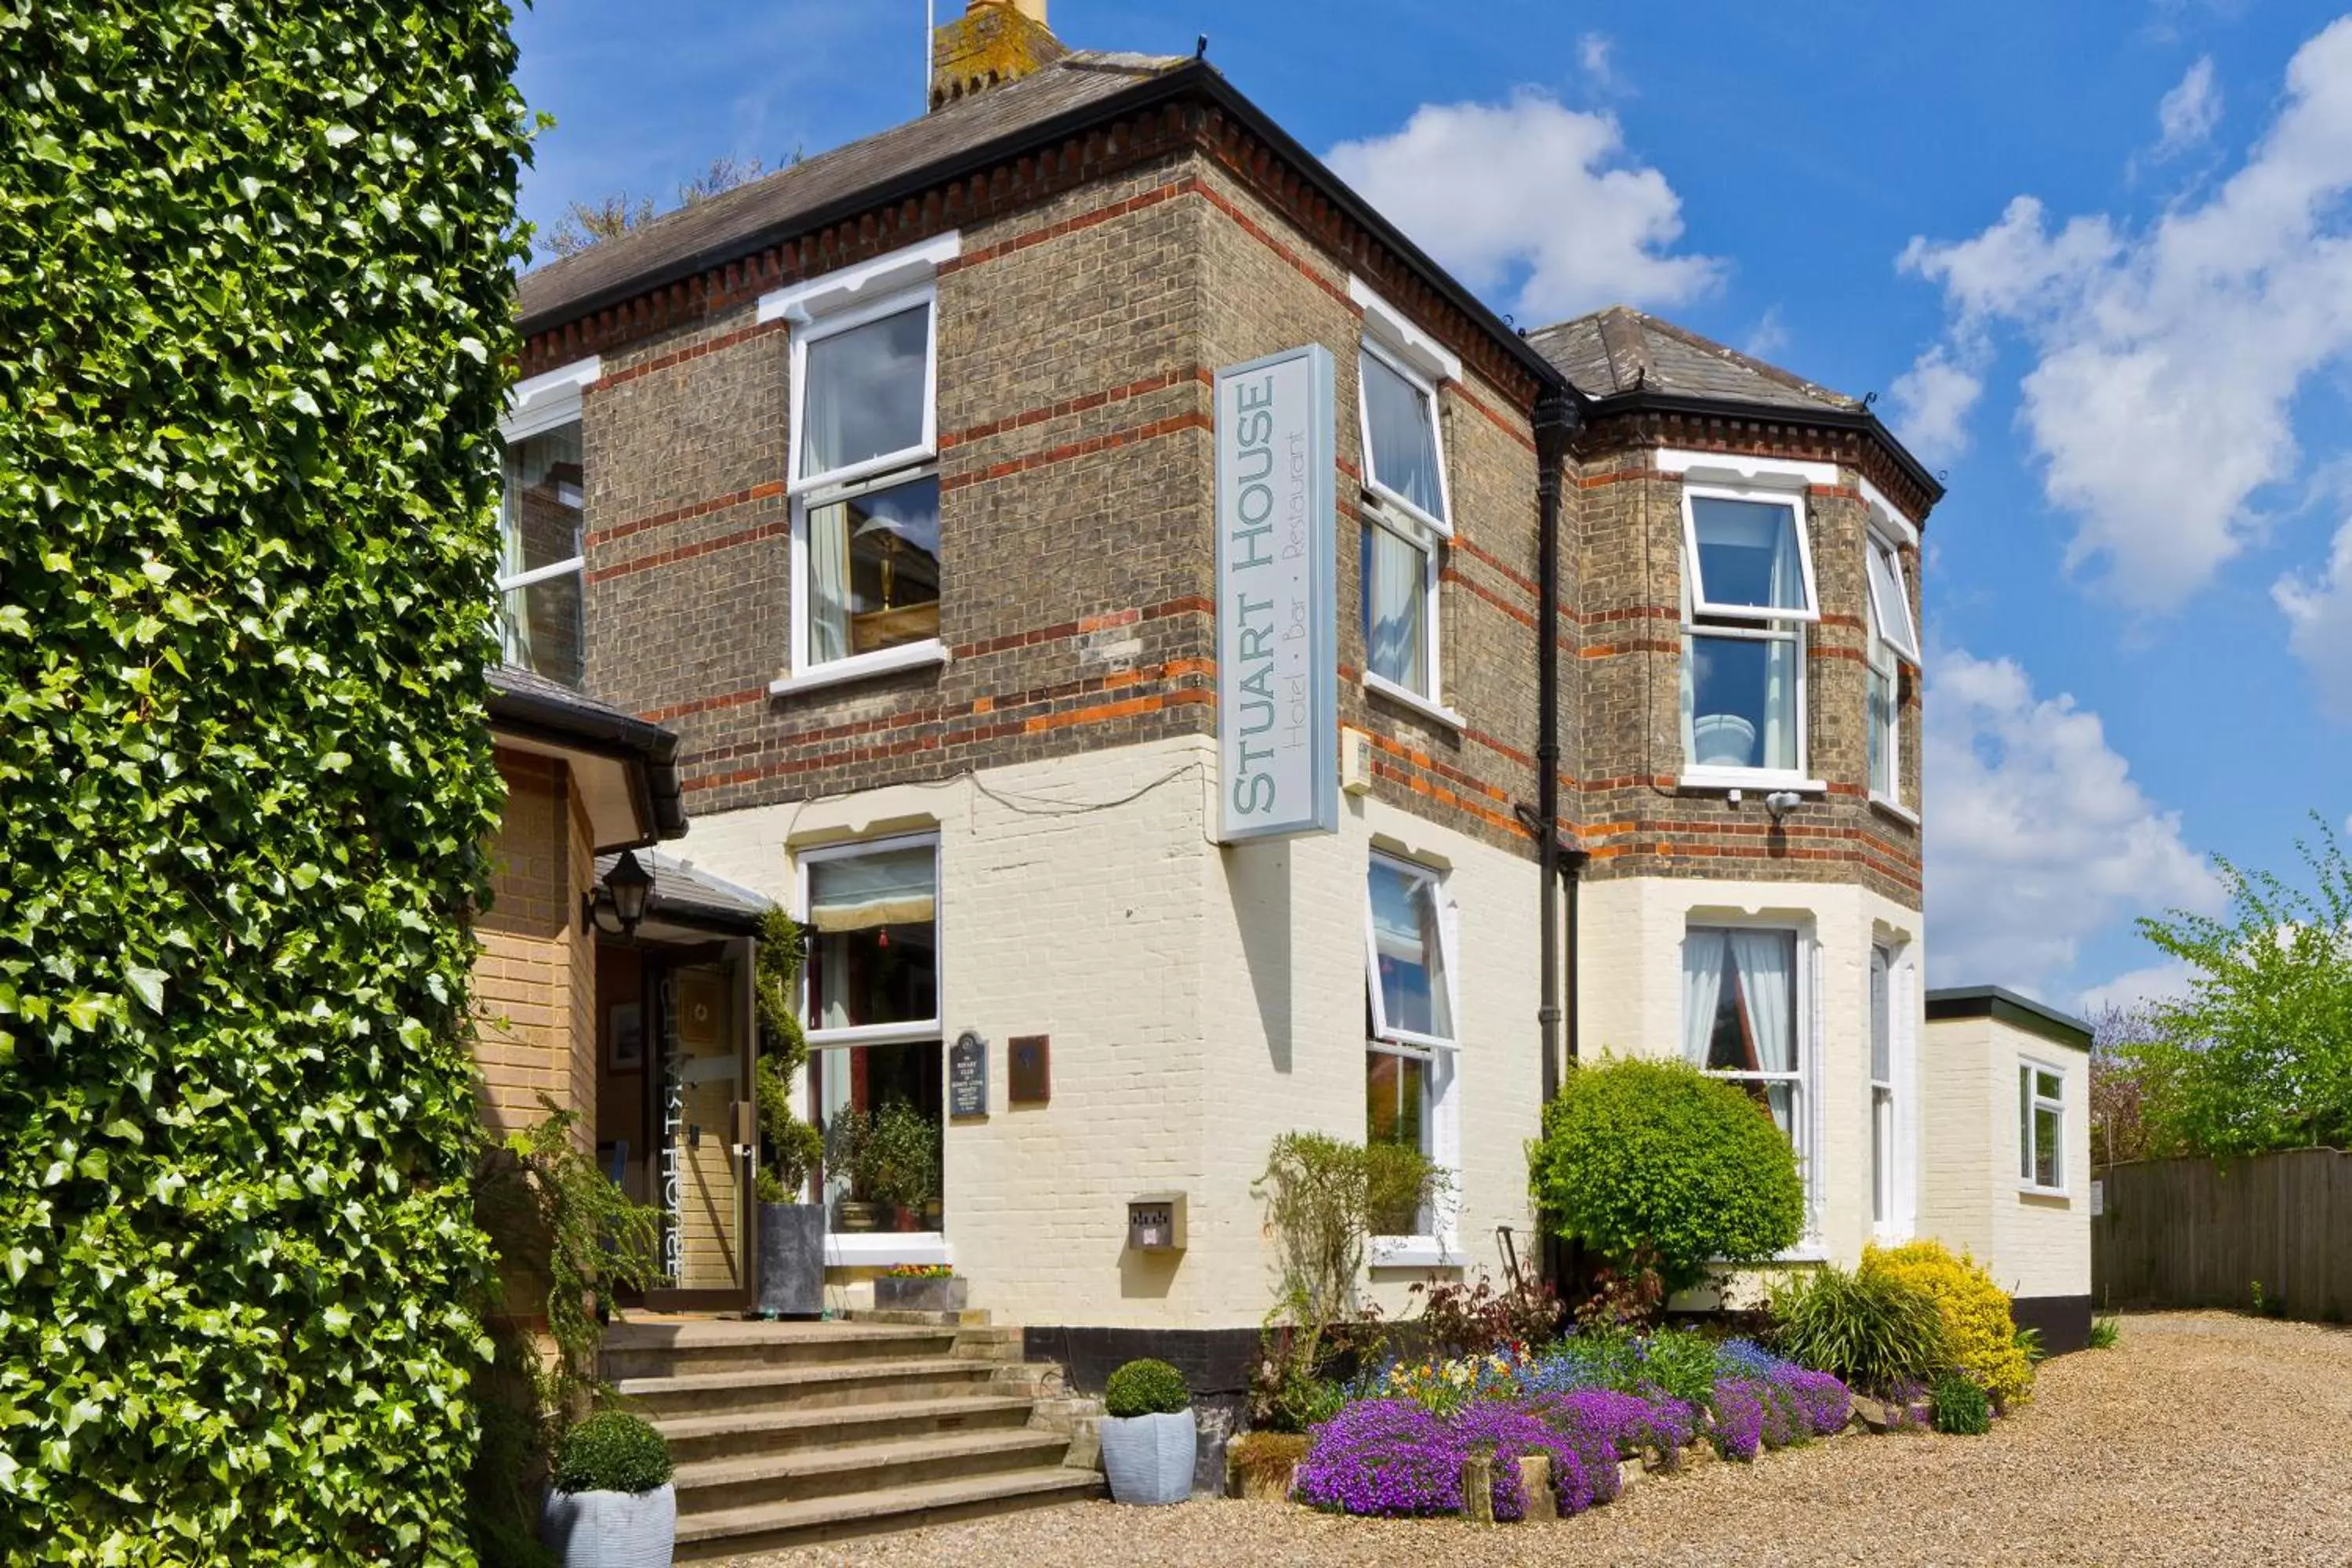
(623, 893)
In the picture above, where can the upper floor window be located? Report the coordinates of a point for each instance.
(1892, 642)
(1407, 508)
(1748, 594)
(542, 527)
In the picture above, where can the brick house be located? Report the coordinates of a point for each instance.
(891, 483)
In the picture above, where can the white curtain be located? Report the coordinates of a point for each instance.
(1392, 631)
(889, 887)
(1703, 954)
(1780, 738)
(823, 409)
(1767, 961)
(828, 582)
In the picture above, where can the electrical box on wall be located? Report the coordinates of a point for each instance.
(1355, 762)
(1156, 1223)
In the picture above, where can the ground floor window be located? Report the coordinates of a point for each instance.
(880, 1109)
(1397, 1113)
(1410, 1008)
(1740, 1017)
(1882, 1090)
(2040, 1126)
(875, 1079)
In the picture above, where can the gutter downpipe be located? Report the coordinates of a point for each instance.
(1555, 422)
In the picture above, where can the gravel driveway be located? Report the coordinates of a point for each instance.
(2202, 1438)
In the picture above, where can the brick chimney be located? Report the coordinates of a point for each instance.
(993, 42)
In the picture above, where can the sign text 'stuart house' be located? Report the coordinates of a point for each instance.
(1277, 664)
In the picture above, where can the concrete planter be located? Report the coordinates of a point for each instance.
(1149, 1459)
(918, 1293)
(611, 1530)
(792, 1260)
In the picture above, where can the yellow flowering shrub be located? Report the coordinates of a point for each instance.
(1976, 1313)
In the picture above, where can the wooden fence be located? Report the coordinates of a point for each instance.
(2203, 1233)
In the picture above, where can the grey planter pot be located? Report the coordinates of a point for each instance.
(1149, 1459)
(905, 1293)
(792, 1260)
(611, 1530)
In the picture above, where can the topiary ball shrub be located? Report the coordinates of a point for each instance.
(1653, 1160)
(1982, 1334)
(1146, 1388)
(1874, 1330)
(1959, 1406)
(611, 1451)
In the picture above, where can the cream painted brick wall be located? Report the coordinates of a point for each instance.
(2033, 1244)
(1201, 1000)
(1630, 1003)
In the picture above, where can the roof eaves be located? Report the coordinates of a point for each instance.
(1859, 419)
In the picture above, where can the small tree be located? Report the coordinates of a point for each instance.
(2118, 1129)
(789, 1147)
(585, 224)
(1656, 1165)
(2258, 1056)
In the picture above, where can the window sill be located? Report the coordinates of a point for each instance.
(2030, 1190)
(1902, 814)
(1765, 779)
(1405, 696)
(1413, 1252)
(879, 1249)
(860, 666)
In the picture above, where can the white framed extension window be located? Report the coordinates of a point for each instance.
(1747, 597)
(542, 527)
(2041, 1127)
(1885, 1199)
(1411, 1005)
(1746, 1012)
(1407, 504)
(1893, 643)
(871, 998)
(862, 470)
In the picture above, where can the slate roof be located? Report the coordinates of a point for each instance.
(1622, 350)
(725, 226)
(685, 894)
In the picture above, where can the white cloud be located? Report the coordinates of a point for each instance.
(2318, 610)
(1769, 336)
(2163, 982)
(1531, 190)
(2189, 112)
(2167, 362)
(1593, 57)
(2042, 839)
(1933, 400)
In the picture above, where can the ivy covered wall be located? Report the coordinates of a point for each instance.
(254, 310)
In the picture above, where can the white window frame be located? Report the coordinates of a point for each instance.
(1896, 630)
(2029, 1101)
(1878, 659)
(1430, 702)
(917, 1030)
(539, 406)
(1885, 1170)
(1442, 526)
(1807, 1116)
(1730, 477)
(1441, 1060)
(824, 307)
(1754, 494)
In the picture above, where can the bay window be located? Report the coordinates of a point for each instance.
(1741, 1019)
(1748, 594)
(1892, 642)
(2041, 1127)
(865, 485)
(1406, 521)
(1410, 1006)
(872, 1017)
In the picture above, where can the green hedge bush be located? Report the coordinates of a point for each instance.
(255, 308)
(1145, 1387)
(1653, 1162)
(611, 1451)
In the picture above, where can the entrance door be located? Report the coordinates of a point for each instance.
(702, 1182)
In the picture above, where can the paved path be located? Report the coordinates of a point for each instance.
(2202, 1439)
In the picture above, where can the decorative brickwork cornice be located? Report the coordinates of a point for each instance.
(1768, 433)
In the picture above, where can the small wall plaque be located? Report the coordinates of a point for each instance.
(1028, 1072)
(1156, 1223)
(968, 1075)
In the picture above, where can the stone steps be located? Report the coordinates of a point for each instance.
(785, 1433)
(775, 1526)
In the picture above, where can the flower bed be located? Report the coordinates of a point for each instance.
(1401, 1443)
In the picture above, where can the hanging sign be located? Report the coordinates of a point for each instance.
(1277, 631)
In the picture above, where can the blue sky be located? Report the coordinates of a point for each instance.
(2096, 260)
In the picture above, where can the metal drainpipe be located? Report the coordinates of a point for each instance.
(1555, 422)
